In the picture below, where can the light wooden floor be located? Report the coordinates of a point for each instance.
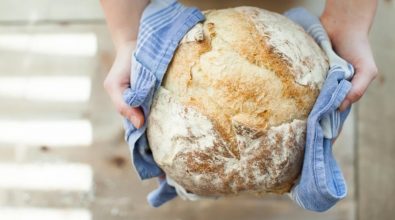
(70, 153)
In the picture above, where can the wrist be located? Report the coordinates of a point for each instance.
(336, 27)
(125, 46)
(352, 16)
(343, 33)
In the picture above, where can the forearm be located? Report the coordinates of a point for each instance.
(123, 17)
(355, 15)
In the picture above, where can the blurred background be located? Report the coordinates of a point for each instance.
(62, 153)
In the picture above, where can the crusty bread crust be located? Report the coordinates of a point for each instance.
(230, 116)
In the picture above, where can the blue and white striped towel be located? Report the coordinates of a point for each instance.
(322, 184)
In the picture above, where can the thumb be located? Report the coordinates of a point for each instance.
(360, 83)
(134, 114)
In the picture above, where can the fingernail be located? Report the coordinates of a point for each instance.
(136, 121)
(344, 105)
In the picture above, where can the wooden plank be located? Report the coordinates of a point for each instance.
(32, 11)
(376, 139)
(25, 59)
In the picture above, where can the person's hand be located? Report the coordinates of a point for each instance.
(353, 46)
(118, 80)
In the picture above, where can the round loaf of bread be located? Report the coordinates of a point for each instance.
(231, 113)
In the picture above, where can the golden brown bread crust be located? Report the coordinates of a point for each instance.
(244, 89)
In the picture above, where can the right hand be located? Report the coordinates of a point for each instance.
(352, 44)
(118, 80)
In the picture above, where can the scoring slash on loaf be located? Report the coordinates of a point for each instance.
(230, 116)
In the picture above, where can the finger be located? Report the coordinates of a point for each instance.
(360, 83)
(134, 114)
